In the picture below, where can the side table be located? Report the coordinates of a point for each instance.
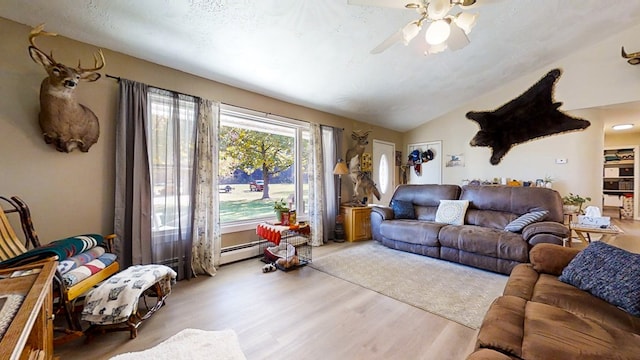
(584, 232)
(357, 222)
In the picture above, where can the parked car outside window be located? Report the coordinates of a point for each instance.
(257, 185)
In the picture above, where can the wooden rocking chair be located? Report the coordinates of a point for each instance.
(65, 297)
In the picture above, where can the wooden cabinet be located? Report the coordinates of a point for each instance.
(30, 331)
(357, 222)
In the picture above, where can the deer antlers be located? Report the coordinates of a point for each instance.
(39, 30)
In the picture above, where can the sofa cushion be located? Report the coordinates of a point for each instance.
(515, 200)
(412, 231)
(403, 209)
(526, 283)
(484, 241)
(551, 258)
(551, 333)
(452, 211)
(525, 219)
(609, 273)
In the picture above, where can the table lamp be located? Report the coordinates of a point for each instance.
(340, 169)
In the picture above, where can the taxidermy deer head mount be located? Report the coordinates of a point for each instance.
(634, 58)
(64, 122)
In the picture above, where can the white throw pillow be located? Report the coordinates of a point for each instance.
(452, 211)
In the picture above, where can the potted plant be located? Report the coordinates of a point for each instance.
(279, 207)
(573, 203)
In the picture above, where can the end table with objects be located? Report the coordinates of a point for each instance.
(584, 232)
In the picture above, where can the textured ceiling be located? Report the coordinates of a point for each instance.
(315, 53)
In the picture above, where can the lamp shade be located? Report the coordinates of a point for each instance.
(437, 9)
(438, 32)
(340, 168)
(466, 21)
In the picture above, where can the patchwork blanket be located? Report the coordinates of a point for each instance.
(62, 249)
(73, 262)
(80, 273)
(117, 298)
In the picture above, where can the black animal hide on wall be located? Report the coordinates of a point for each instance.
(530, 116)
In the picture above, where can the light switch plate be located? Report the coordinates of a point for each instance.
(561, 161)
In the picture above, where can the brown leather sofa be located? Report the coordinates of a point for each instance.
(481, 241)
(540, 317)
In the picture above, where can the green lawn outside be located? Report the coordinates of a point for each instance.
(242, 204)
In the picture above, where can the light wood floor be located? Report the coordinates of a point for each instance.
(303, 314)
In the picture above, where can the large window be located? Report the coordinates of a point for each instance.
(262, 159)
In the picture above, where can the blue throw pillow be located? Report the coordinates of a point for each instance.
(607, 272)
(526, 219)
(403, 209)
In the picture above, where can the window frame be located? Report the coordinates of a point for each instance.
(299, 127)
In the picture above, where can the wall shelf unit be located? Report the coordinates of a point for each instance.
(620, 180)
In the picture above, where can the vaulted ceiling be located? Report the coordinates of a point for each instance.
(316, 53)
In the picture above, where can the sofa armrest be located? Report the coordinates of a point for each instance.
(550, 258)
(545, 227)
(385, 212)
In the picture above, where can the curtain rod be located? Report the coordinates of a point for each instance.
(117, 78)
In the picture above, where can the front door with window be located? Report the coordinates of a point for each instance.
(384, 170)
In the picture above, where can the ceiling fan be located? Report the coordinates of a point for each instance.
(444, 30)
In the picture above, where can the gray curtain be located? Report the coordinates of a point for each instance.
(155, 150)
(132, 220)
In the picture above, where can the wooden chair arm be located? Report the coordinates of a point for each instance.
(110, 242)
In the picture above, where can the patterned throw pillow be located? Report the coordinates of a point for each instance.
(403, 209)
(526, 219)
(452, 211)
(607, 272)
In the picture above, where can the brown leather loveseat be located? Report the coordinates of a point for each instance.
(481, 241)
(541, 317)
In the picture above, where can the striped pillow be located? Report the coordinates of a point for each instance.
(526, 219)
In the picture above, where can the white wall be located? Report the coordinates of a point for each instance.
(592, 77)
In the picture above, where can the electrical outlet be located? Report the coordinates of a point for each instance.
(561, 161)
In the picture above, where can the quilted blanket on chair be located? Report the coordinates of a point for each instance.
(84, 271)
(117, 298)
(62, 249)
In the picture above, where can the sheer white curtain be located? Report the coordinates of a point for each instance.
(316, 188)
(206, 225)
(329, 159)
(171, 135)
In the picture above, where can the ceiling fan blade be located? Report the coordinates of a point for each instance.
(397, 4)
(457, 38)
(388, 42)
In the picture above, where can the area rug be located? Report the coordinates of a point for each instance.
(192, 344)
(457, 292)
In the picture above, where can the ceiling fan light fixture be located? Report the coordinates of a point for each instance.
(438, 9)
(466, 21)
(410, 31)
(434, 49)
(438, 32)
